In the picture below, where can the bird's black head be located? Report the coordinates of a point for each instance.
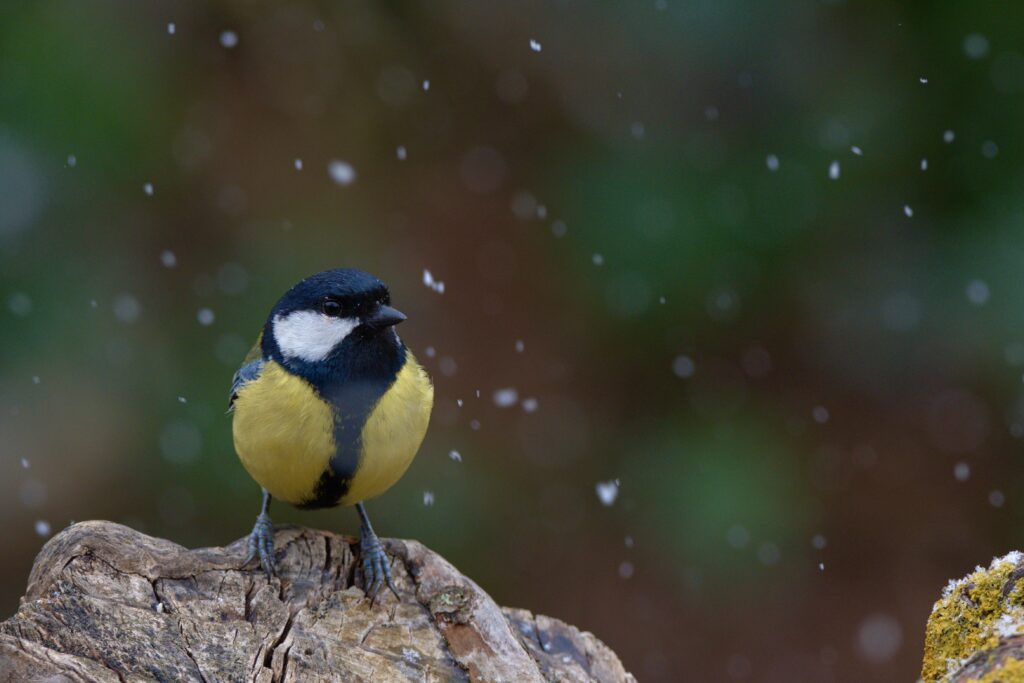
(331, 320)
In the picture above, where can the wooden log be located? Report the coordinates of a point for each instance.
(107, 603)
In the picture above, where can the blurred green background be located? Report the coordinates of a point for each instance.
(697, 238)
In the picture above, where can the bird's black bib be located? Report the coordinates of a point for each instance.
(352, 380)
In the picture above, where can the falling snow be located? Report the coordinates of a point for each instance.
(341, 172)
(772, 162)
(505, 398)
(524, 205)
(769, 554)
(880, 637)
(429, 281)
(455, 456)
(607, 491)
(977, 292)
(228, 39)
(683, 366)
(428, 498)
(833, 170)
(148, 189)
(722, 303)
(42, 528)
(535, 45)
(205, 316)
(737, 536)
(20, 304)
(127, 308)
(975, 46)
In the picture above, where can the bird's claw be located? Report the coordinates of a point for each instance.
(376, 568)
(261, 542)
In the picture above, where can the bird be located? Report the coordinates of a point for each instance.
(329, 408)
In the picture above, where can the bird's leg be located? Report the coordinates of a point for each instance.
(261, 540)
(376, 570)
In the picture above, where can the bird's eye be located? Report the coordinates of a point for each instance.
(331, 308)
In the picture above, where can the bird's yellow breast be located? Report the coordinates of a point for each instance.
(284, 433)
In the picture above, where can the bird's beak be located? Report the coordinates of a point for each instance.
(384, 317)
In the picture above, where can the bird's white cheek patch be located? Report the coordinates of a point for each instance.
(310, 335)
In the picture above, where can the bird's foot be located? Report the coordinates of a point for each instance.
(261, 542)
(376, 568)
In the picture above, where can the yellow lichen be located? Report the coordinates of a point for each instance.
(970, 618)
(1010, 671)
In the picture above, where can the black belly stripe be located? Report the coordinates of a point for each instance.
(353, 400)
(352, 407)
(329, 490)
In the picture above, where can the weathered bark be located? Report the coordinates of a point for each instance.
(107, 603)
(975, 633)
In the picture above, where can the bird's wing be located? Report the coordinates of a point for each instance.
(252, 365)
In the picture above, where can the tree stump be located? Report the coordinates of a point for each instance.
(107, 603)
(975, 633)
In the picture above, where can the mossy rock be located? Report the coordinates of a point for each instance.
(976, 631)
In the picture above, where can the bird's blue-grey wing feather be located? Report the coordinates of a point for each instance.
(245, 374)
(250, 370)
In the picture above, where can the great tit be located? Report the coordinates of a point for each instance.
(330, 407)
